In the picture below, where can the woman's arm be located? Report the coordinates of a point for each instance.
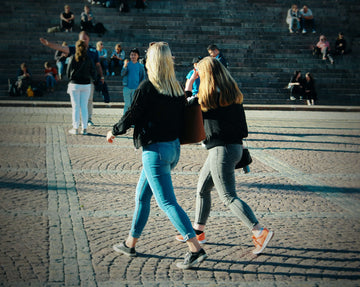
(189, 83)
(133, 114)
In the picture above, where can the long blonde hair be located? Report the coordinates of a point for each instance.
(160, 68)
(217, 86)
(81, 50)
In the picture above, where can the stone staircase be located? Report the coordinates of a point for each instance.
(252, 34)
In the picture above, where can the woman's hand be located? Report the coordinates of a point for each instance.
(110, 137)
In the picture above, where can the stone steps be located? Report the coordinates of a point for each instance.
(261, 53)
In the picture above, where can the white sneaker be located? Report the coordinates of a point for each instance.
(74, 131)
(90, 123)
(84, 132)
(304, 31)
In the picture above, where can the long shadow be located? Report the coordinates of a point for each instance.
(321, 275)
(307, 188)
(323, 250)
(305, 149)
(306, 135)
(346, 260)
(96, 135)
(354, 273)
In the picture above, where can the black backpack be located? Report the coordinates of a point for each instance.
(99, 29)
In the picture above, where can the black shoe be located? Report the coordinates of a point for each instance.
(122, 248)
(192, 259)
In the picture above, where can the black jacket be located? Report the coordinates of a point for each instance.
(156, 117)
(225, 125)
(81, 72)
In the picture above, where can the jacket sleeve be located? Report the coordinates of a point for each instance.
(244, 127)
(133, 114)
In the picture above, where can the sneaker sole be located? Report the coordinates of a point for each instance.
(197, 261)
(267, 240)
(124, 252)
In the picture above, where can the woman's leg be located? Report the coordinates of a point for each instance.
(158, 160)
(52, 81)
(203, 196)
(75, 103)
(142, 208)
(84, 99)
(324, 52)
(48, 82)
(222, 166)
(60, 66)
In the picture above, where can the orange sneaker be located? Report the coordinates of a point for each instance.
(200, 238)
(262, 240)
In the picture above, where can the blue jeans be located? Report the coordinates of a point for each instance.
(128, 97)
(294, 21)
(50, 81)
(155, 179)
(61, 68)
(219, 170)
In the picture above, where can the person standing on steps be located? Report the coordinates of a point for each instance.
(133, 74)
(225, 127)
(157, 114)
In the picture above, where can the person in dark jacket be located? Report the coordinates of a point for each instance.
(310, 92)
(296, 86)
(80, 71)
(24, 79)
(340, 44)
(157, 113)
(67, 19)
(225, 127)
(214, 51)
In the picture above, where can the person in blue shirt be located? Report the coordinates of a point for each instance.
(133, 74)
(103, 57)
(196, 84)
(214, 52)
(117, 59)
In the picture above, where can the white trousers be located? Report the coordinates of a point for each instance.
(79, 95)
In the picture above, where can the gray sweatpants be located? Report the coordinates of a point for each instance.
(218, 171)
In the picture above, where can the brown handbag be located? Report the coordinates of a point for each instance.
(193, 128)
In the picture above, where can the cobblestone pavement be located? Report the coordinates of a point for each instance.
(65, 200)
